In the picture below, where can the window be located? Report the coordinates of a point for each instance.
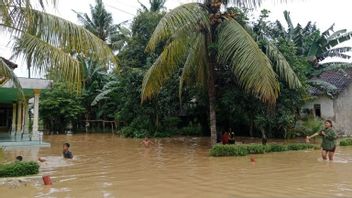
(317, 110)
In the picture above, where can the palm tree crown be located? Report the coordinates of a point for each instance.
(201, 37)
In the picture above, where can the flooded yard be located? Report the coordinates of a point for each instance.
(110, 166)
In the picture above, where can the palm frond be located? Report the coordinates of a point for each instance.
(45, 57)
(65, 34)
(250, 65)
(6, 74)
(41, 36)
(164, 67)
(191, 13)
(291, 28)
(196, 64)
(329, 31)
(330, 89)
(282, 67)
(336, 34)
(337, 40)
(107, 89)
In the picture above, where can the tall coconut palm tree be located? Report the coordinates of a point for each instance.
(48, 41)
(202, 37)
(100, 23)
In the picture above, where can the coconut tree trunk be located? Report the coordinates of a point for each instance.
(211, 95)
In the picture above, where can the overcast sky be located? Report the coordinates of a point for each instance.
(323, 12)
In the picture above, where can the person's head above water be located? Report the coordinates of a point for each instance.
(66, 146)
(19, 158)
(328, 123)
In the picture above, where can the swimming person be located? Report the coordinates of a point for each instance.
(328, 145)
(146, 142)
(67, 154)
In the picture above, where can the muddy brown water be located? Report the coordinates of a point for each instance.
(110, 166)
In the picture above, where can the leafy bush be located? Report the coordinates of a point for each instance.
(18, 169)
(305, 127)
(191, 130)
(132, 132)
(242, 150)
(297, 147)
(171, 122)
(278, 148)
(228, 150)
(346, 142)
(256, 148)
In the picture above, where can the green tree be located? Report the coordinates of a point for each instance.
(47, 41)
(203, 38)
(100, 23)
(58, 107)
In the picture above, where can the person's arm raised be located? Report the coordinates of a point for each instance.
(312, 136)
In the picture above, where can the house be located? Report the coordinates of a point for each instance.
(15, 118)
(335, 104)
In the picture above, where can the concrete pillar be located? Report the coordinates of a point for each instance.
(14, 118)
(36, 114)
(26, 117)
(19, 117)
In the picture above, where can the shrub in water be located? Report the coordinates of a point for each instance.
(18, 169)
(256, 149)
(228, 150)
(346, 142)
(278, 148)
(299, 146)
(242, 150)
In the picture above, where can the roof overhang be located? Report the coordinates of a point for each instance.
(9, 93)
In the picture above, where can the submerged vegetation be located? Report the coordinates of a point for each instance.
(346, 142)
(18, 169)
(243, 150)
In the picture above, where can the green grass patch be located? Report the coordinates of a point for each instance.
(346, 142)
(18, 169)
(243, 150)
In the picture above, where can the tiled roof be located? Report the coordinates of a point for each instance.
(340, 79)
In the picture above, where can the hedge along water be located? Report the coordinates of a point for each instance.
(243, 150)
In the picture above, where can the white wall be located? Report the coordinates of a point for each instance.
(343, 109)
(326, 104)
(338, 110)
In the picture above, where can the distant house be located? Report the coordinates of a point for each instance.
(335, 105)
(14, 106)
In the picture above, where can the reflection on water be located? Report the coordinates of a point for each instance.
(109, 166)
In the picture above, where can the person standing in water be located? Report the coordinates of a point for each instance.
(328, 145)
(66, 153)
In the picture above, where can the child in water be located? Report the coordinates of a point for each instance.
(67, 154)
(328, 145)
(147, 142)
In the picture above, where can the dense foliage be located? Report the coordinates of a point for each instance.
(59, 107)
(243, 150)
(346, 142)
(115, 94)
(18, 169)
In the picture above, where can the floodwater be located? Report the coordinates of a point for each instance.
(109, 166)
